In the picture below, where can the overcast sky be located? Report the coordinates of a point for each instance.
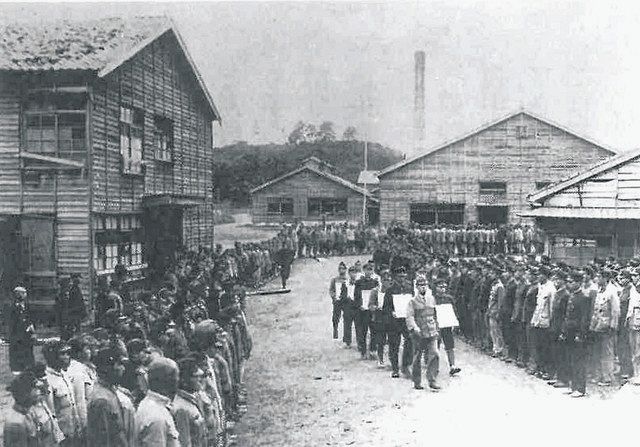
(269, 65)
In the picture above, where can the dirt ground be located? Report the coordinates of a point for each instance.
(241, 230)
(305, 389)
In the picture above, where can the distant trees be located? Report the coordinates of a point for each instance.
(349, 134)
(308, 133)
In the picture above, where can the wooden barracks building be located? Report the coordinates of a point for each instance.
(486, 175)
(595, 213)
(311, 192)
(105, 150)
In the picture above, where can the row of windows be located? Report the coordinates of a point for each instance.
(316, 206)
(121, 223)
(107, 256)
(500, 188)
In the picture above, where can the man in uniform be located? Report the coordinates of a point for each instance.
(110, 414)
(20, 429)
(186, 408)
(335, 288)
(541, 321)
(367, 285)
(396, 324)
(496, 300)
(442, 296)
(155, 426)
(423, 326)
(633, 325)
(604, 323)
(21, 332)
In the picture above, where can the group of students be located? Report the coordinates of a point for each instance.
(159, 368)
(390, 307)
(464, 240)
(566, 325)
(334, 239)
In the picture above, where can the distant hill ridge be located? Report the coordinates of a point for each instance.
(241, 166)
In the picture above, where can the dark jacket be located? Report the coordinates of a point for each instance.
(577, 315)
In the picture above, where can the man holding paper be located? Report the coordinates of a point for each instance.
(335, 288)
(396, 300)
(445, 301)
(365, 297)
(423, 326)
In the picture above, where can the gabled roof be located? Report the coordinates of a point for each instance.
(368, 177)
(593, 171)
(484, 127)
(327, 175)
(98, 45)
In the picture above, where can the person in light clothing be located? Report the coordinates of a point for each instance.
(633, 326)
(423, 326)
(604, 323)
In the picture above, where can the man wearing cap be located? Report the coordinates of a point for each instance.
(575, 327)
(560, 361)
(496, 301)
(21, 332)
(446, 334)
(349, 310)
(155, 426)
(187, 408)
(20, 428)
(368, 286)
(110, 414)
(541, 321)
(604, 323)
(335, 288)
(423, 325)
(396, 325)
(61, 400)
(136, 378)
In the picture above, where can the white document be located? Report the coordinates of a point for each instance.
(350, 290)
(366, 298)
(400, 304)
(446, 316)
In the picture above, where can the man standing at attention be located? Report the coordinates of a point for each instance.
(423, 325)
(335, 288)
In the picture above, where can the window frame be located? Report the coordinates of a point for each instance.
(324, 207)
(163, 132)
(281, 202)
(492, 187)
(131, 123)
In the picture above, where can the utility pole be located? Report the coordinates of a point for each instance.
(364, 196)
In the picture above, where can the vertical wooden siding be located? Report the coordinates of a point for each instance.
(453, 173)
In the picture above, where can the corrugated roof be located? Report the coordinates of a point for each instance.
(99, 45)
(325, 174)
(582, 213)
(477, 130)
(596, 169)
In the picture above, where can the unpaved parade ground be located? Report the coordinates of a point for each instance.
(306, 389)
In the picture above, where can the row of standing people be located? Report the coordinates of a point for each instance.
(164, 367)
(563, 324)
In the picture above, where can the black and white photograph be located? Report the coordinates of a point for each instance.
(319, 223)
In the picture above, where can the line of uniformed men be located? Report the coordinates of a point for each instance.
(164, 369)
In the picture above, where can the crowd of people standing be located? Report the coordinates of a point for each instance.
(161, 365)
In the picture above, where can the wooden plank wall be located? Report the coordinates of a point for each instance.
(300, 187)
(9, 144)
(158, 81)
(618, 187)
(453, 173)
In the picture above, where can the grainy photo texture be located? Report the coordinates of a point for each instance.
(304, 224)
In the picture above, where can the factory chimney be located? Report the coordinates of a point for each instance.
(418, 107)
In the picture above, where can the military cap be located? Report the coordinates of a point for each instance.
(20, 289)
(107, 356)
(136, 345)
(342, 265)
(352, 269)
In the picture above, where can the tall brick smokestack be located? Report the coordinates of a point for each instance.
(418, 106)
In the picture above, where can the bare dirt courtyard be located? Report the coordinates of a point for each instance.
(305, 389)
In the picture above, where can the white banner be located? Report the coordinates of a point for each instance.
(350, 289)
(446, 316)
(400, 304)
(366, 298)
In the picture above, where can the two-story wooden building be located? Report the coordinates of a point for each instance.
(486, 175)
(105, 150)
(595, 213)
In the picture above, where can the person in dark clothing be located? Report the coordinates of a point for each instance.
(21, 332)
(77, 310)
(575, 327)
(284, 258)
(396, 326)
(558, 345)
(367, 286)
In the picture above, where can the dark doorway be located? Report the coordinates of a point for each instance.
(163, 236)
(437, 213)
(493, 214)
(373, 215)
